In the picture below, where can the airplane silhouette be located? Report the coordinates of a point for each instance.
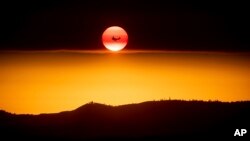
(115, 38)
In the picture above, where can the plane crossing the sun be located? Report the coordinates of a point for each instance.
(116, 38)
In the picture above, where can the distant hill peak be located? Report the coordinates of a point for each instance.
(92, 105)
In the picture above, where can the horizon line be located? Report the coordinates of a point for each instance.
(119, 52)
(133, 103)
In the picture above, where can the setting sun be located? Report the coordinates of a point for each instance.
(115, 38)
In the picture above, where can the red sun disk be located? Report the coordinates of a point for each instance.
(115, 38)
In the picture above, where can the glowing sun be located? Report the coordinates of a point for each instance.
(115, 38)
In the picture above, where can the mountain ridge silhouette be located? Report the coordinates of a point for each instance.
(151, 119)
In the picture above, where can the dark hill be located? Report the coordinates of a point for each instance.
(156, 119)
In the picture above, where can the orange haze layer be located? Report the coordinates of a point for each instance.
(53, 81)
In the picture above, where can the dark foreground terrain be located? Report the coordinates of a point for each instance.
(148, 120)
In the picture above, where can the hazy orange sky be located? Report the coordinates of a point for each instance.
(54, 81)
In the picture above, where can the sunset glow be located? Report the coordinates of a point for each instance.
(45, 82)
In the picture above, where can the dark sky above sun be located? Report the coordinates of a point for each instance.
(75, 24)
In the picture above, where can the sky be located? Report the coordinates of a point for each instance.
(156, 25)
(52, 58)
(55, 81)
